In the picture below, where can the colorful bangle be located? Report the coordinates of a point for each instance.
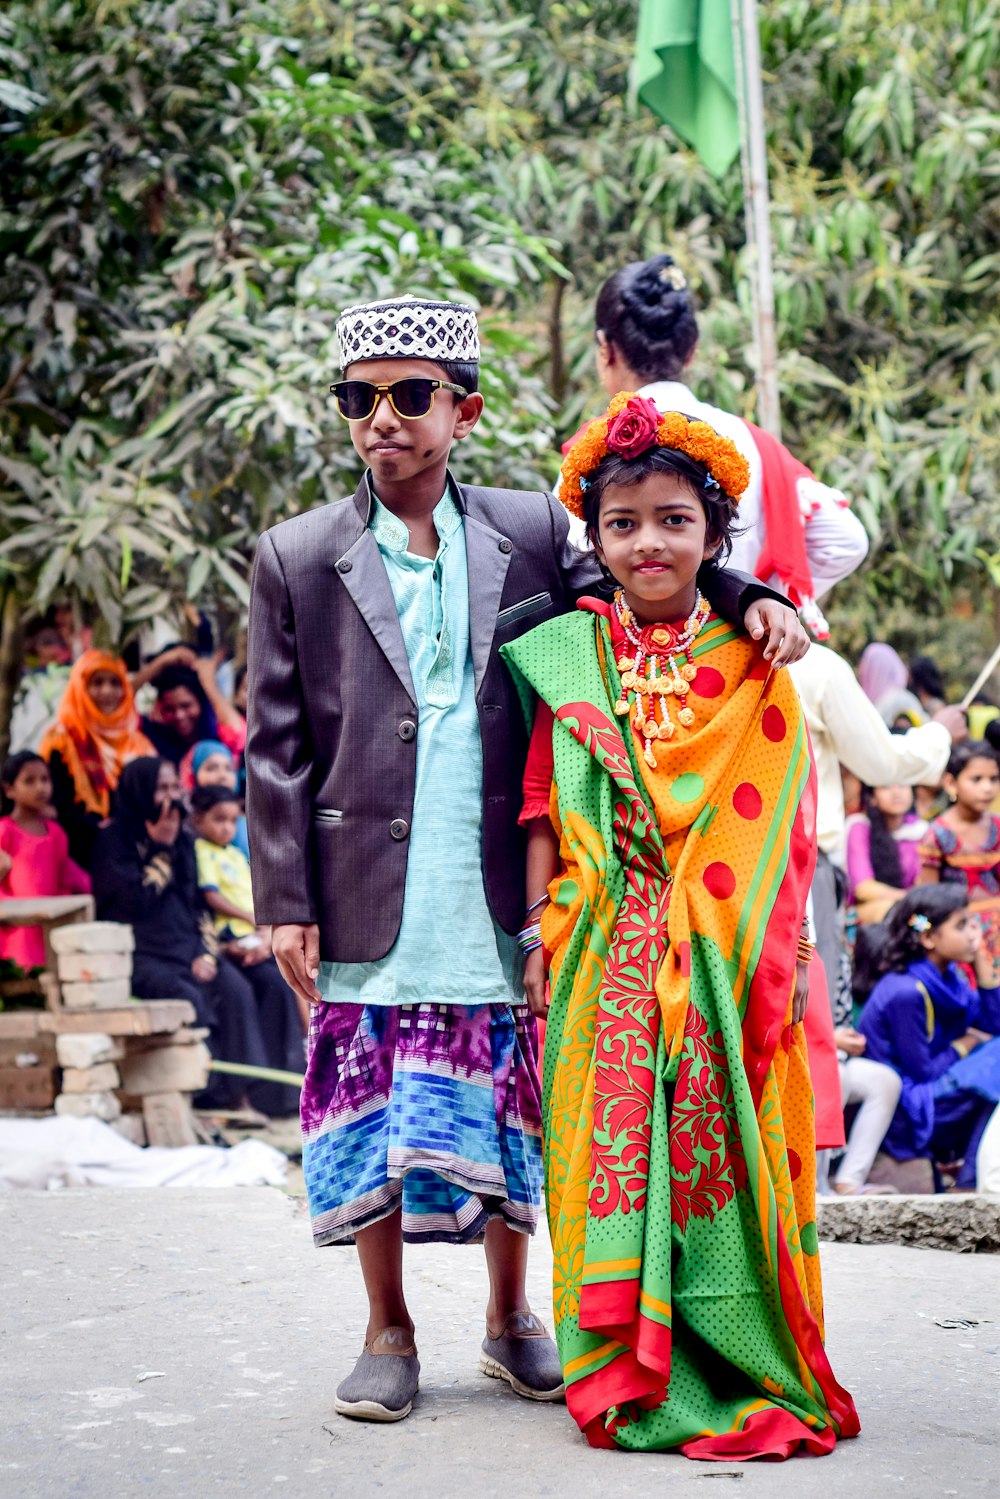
(806, 951)
(530, 937)
(535, 904)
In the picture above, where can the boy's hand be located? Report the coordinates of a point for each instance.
(786, 641)
(296, 950)
(535, 976)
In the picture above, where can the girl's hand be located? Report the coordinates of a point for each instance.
(535, 976)
(800, 994)
(850, 1040)
(6, 864)
(204, 968)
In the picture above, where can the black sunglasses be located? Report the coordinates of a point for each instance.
(411, 399)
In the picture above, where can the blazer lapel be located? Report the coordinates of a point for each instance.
(363, 574)
(488, 553)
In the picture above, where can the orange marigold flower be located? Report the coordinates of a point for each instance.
(719, 454)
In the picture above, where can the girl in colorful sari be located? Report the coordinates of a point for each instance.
(669, 800)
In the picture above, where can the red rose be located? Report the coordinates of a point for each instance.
(633, 430)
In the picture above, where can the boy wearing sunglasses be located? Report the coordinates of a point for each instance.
(385, 755)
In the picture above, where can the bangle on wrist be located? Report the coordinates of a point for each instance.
(541, 901)
(530, 937)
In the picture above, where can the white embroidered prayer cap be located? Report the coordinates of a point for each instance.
(409, 328)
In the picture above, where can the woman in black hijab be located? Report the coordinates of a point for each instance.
(145, 873)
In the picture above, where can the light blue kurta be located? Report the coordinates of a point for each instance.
(449, 950)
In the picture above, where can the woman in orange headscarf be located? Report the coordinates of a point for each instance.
(94, 737)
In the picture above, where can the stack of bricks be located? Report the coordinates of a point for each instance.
(142, 1084)
(94, 963)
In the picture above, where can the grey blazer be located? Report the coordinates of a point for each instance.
(332, 722)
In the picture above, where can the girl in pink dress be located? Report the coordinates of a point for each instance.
(34, 853)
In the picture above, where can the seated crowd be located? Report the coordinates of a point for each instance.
(145, 812)
(918, 1031)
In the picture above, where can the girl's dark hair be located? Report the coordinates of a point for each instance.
(12, 767)
(204, 798)
(720, 510)
(650, 322)
(970, 749)
(882, 846)
(901, 943)
(925, 676)
(992, 733)
(177, 675)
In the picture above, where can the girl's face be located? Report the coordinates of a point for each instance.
(976, 785)
(106, 691)
(181, 710)
(652, 538)
(168, 787)
(893, 801)
(32, 787)
(956, 940)
(217, 770)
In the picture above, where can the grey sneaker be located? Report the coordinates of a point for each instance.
(526, 1357)
(383, 1382)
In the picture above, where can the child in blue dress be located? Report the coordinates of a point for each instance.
(925, 1020)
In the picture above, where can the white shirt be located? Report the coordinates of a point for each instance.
(847, 729)
(836, 541)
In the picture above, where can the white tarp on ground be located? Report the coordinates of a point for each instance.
(67, 1152)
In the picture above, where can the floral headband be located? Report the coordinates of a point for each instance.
(631, 425)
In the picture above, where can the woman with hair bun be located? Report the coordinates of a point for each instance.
(792, 527)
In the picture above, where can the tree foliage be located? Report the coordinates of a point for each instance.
(190, 191)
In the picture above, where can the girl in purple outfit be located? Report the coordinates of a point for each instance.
(940, 1034)
(883, 859)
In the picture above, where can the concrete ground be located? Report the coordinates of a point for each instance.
(172, 1344)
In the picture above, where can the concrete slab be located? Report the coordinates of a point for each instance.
(171, 1343)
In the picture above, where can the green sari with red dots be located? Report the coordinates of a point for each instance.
(680, 1164)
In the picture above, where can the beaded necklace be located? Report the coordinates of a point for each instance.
(662, 667)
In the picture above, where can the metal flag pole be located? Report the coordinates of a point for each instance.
(757, 207)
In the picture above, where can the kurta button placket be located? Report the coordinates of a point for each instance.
(399, 829)
(407, 730)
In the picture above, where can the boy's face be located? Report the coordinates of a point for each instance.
(218, 824)
(397, 450)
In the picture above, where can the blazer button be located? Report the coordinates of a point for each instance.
(506, 546)
(398, 829)
(407, 730)
(344, 565)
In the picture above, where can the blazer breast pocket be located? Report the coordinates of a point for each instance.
(516, 612)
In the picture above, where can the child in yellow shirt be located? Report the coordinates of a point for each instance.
(223, 869)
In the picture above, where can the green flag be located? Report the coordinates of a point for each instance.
(685, 70)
